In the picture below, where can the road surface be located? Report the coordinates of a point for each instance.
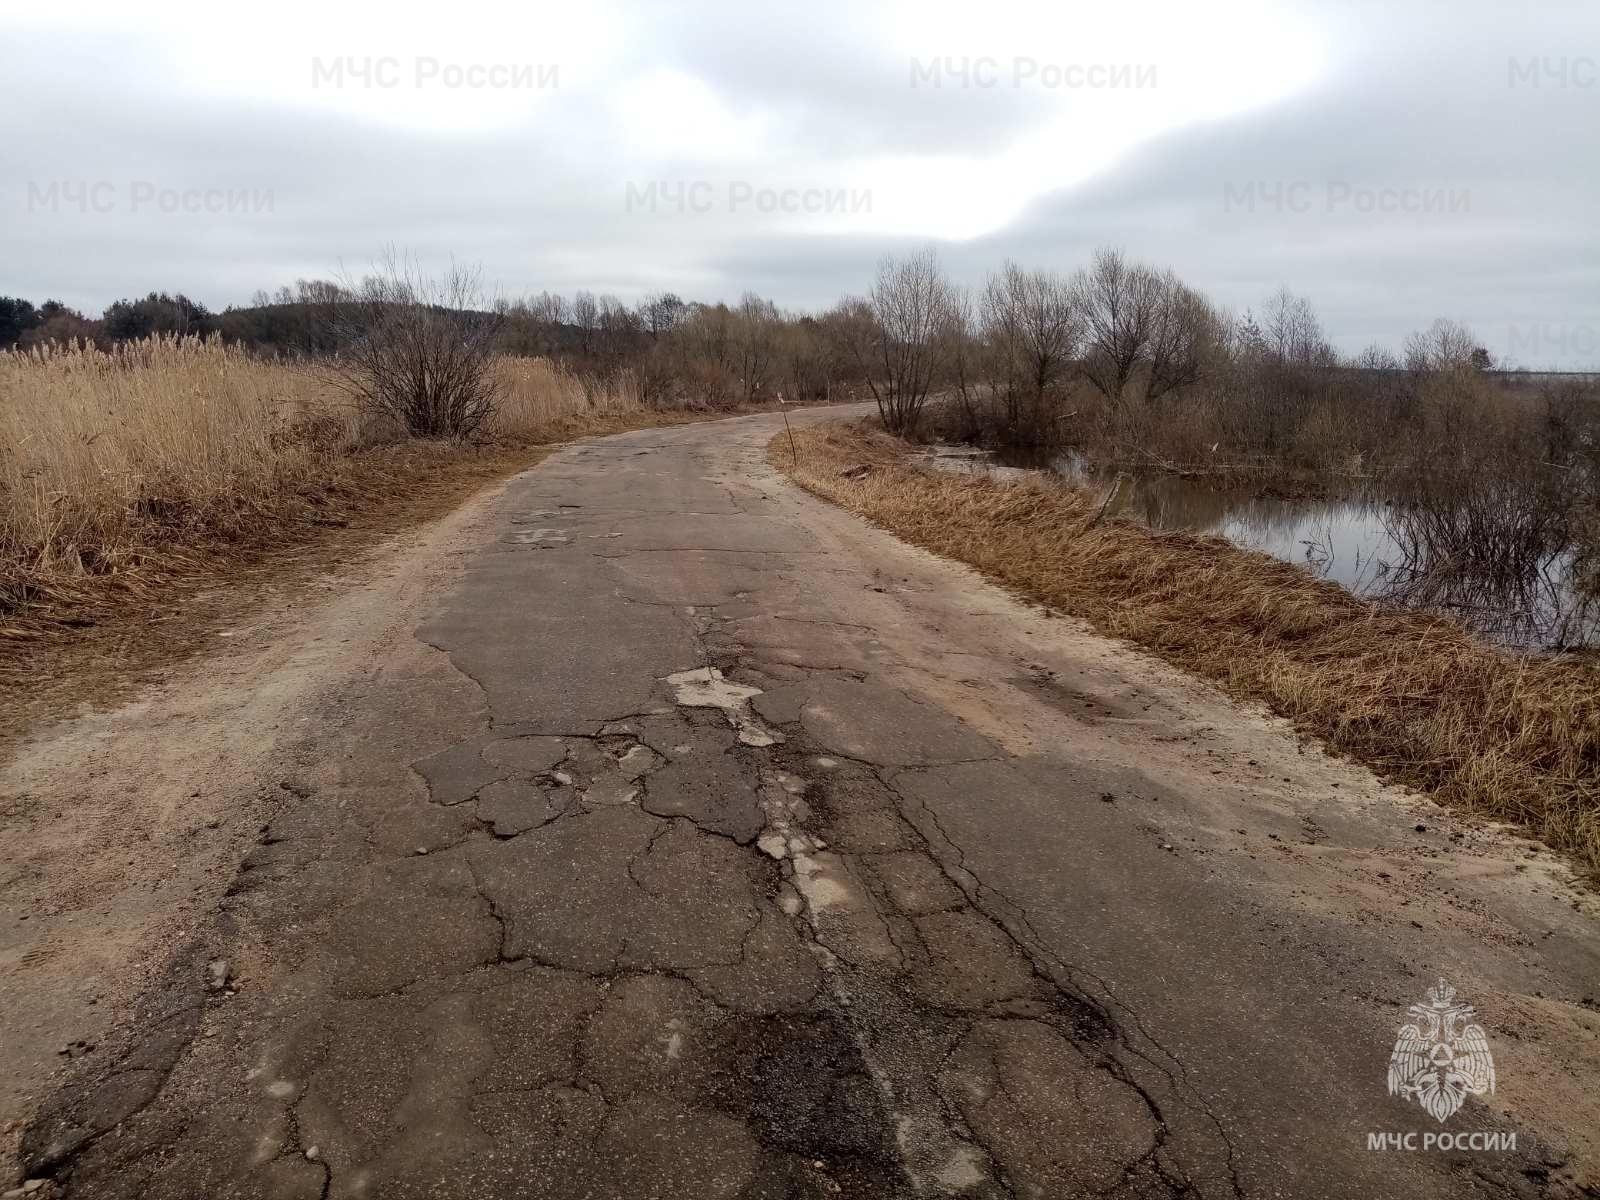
(680, 836)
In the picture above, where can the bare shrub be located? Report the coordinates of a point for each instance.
(416, 351)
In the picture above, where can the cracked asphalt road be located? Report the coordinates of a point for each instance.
(705, 843)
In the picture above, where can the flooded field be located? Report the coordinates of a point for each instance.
(1515, 584)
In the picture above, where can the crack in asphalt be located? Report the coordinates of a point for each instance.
(1032, 948)
(906, 1042)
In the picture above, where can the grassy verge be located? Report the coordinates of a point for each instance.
(1485, 731)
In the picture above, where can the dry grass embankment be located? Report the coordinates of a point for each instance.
(1486, 731)
(130, 478)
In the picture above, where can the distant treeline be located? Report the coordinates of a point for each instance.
(296, 319)
(24, 324)
(669, 347)
(294, 327)
(593, 331)
(301, 320)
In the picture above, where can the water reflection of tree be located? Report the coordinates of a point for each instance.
(1497, 556)
(1169, 502)
(1499, 552)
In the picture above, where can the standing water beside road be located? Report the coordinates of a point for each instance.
(1479, 557)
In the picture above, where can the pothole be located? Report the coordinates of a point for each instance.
(707, 687)
(638, 760)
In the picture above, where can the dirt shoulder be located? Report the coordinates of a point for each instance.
(123, 826)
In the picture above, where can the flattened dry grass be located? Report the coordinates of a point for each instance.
(1486, 731)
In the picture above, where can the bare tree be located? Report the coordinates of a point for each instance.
(415, 350)
(701, 352)
(1120, 304)
(1147, 325)
(659, 312)
(1293, 331)
(548, 309)
(803, 365)
(971, 365)
(1377, 358)
(1445, 348)
(1186, 335)
(585, 314)
(616, 325)
(846, 331)
(908, 345)
(755, 341)
(1003, 351)
(318, 291)
(1032, 332)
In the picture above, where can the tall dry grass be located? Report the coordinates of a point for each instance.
(538, 396)
(116, 466)
(107, 455)
(1506, 736)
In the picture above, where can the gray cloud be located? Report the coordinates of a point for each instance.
(1426, 173)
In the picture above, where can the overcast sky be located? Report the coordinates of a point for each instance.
(1394, 161)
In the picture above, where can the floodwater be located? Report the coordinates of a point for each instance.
(1372, 547)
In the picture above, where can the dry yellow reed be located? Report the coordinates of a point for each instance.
(116, 466)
